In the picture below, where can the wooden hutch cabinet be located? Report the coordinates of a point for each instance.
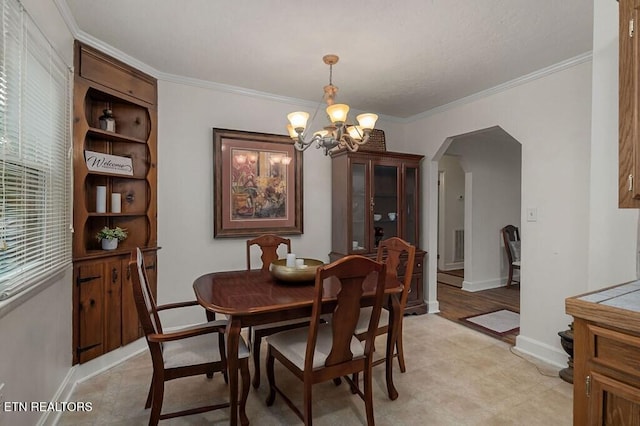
(629, 104)
(376, 195)
(606, 342)
(104, 313)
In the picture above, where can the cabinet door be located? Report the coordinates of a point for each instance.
(410, 204)
(89, 337)
(386, 213)
(613, 403)
(629, 104)
(360, 207)
(113, 305)
(130, 322)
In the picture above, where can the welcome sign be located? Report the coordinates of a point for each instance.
(107, 163)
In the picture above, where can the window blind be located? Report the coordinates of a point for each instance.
(35, 212)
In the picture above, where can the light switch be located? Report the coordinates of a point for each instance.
(532, 214)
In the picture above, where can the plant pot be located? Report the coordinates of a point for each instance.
(109, 244)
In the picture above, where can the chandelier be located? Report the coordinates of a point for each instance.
(339, 134)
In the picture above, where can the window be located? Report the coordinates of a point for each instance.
(35, 183)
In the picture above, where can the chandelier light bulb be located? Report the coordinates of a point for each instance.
(355, 132)
(338, 113)
(298, 120)
(367, 120)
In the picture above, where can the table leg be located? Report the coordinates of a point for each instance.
(233, 341)
(394, 321)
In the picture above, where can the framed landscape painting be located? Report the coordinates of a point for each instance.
(257, 184)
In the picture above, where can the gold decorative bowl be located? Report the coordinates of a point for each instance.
(292, 274)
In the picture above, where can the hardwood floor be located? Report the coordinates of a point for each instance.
(456, 303)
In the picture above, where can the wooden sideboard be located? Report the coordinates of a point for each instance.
(606, 342)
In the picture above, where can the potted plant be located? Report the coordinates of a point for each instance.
(110, 237)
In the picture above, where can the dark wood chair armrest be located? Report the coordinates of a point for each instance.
(210, 327)
(177, 305)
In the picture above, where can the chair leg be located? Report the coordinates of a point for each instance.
(271, 377)
(400, 350)
(354, 385)
(368, 395)
(223, 358)
(149, 396)
(158, 395)
(510, 275)
(255, 353)
(244, 373)
(308, 415)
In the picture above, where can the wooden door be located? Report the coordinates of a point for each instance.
(629, 104)
(130, 321)
(113, 303)
(612, 403)
(89, 305)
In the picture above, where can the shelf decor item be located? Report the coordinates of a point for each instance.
(257, 184)
(116, 202)
(109, 237)
(107, 122)
(101, 199)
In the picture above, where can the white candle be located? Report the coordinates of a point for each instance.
(291, 260)
(101, 199)
(299, 263)
(116, 202)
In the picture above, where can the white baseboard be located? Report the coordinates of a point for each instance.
(433, 307)
(482, 285)
(542, 351)
(453, 266)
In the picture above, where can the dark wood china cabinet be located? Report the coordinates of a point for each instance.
(376, 195)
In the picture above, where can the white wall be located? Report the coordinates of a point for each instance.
(186, 117)
(452, 214)
(35, 353)
(550, 117)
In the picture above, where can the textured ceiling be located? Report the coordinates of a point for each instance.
(396, 58)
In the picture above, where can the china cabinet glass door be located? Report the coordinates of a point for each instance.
(359, 207)
(385, 202)
(411, 205)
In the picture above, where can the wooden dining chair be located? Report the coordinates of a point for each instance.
(189, 351)
(511, 239)
(269, 245)
(326, 351)
(399, 256)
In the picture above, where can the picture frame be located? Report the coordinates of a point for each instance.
(257, 184)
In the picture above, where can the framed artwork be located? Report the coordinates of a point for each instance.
(257, 184)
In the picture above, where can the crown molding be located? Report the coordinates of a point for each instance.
(560, 66)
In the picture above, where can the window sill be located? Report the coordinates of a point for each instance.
(11, 303)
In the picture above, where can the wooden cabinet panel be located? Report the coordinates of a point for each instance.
(113, 303)
(88, 311)
(613, 403)
(629, 104)
(97, 67)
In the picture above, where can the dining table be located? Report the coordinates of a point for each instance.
(254, 297)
